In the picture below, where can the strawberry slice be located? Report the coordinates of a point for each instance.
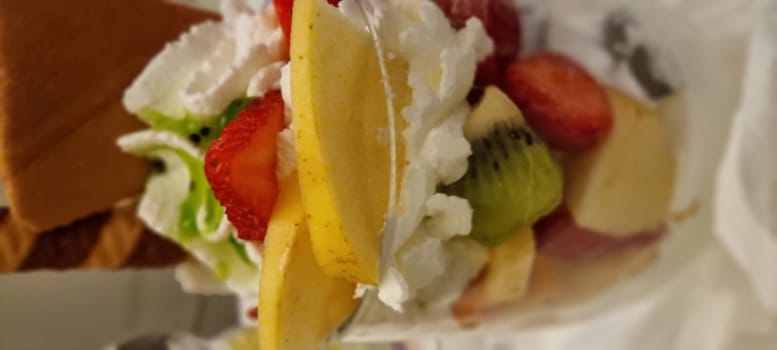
(283, 10)
(560, 100)
(240, 166)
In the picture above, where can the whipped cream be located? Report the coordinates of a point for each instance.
(421, 259)
(210, 66)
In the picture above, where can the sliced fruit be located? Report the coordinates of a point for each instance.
(560, 236)
(512, 179)
(489, 72)
(505, 279)
(623, 185)
(566, 106)
(299, 305)
(509, 267)
(240, 166)
(560, 282)
(283, 9)
(341, 122)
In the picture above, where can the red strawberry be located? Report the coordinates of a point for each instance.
(489, 72)
(560, 100)
(559, 235)
(502, 23)
(283, 10)
(240, 166)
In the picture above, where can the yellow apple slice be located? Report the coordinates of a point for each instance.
(505, 280)
(299, 305)
(341, 126)
(624, 185)
(509, 268)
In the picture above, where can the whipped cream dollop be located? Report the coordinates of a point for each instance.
(195, 83)
(423, 260)
(209, 66)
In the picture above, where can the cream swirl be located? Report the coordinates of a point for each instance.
(210, 66)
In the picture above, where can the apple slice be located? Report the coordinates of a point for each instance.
(505, 279)
(623, 185)
(299, 305)
(340, 121)
(558, 235)
(509, 266)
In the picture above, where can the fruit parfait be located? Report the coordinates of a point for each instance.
(406, 165)
(532, 176)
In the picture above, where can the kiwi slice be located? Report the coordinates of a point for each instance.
(512, 179)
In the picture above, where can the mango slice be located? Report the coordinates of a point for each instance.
(299, 305)
(341, 128)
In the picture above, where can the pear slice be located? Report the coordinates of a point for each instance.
(299, 305)
(624, 185)
(341, 125)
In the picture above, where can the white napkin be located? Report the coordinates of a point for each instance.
(746, 204)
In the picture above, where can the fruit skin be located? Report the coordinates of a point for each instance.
(560, 236)
(561, 101)
(624, 184)
(339, 114)
(240, 166)
(512, 180)
(299, 305)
